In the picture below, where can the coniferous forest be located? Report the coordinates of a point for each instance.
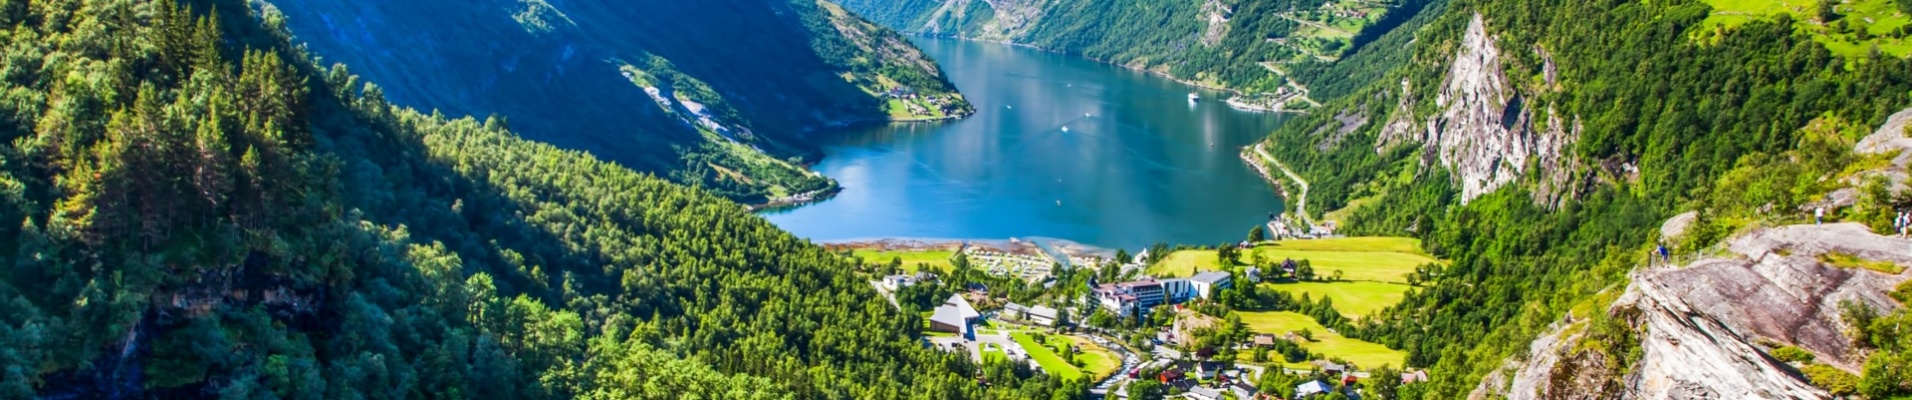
(194, 209)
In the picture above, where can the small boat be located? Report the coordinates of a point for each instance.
(1065, 129)
(1192, 97)
(1009, 107)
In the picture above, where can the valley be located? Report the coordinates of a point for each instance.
(792, 199)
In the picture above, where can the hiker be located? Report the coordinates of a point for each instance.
(1904, 223)
(1819, 216)
(1664, 257)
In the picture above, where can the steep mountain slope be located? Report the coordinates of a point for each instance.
(195, 211)
(721, 94)
(1245, 45)
(1540, 144)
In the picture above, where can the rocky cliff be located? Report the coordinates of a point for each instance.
(1485, 132)
(1701, 325)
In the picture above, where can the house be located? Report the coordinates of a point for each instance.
(1252, 274)
(1202, 393)
(1207, 284)
(1413, 377)
(894, 282)
(1242, 390)
(1208, 369)
(1172, 375)
(1264, 340)
(1227, 376)
(1311, 388)
(1330, 368)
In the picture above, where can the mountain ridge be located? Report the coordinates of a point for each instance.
(770, 73)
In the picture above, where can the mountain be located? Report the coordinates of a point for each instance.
(195, 210)
(1551, 148)
(727, 95)
(1250, 46)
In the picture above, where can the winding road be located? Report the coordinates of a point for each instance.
(1301, 201)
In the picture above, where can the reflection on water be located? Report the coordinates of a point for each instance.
(1061, 147)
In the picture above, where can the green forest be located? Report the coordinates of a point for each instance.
(194, 209)
(742, 89)
(1677, 116)
(1244, 52)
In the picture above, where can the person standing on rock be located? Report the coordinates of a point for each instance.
(1904, 222)
(1819, 216)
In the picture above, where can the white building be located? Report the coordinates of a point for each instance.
(1177, 290)
(1206, 284)
(894, 282)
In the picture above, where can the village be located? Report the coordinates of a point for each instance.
(1174, 320)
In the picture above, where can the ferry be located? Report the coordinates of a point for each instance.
(1192, 97)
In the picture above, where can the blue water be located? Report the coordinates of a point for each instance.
(1061, 147)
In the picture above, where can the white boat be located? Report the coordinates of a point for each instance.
(1192, 97)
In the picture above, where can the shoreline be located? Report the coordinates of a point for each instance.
(1234, 93)
(1030, 246)
(807, 198)
(1300, 202)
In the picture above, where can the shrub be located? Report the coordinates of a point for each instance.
(1834, 380)
(1792, 354)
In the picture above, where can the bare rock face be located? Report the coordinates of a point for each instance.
(1689, 354)
(1485, 132)
(1216, 15)
(1533, 378)
(1676, 227)
(1777, 288)
(1698, 323)
(1890, 138)
(1400, 126)
(1008, 19)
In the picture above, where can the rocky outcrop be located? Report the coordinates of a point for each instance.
(1216, 15)
(1690, 354)
(998, 20)
(1484, 133)
(1890, 138)
(1400, 127)
(1699, 323)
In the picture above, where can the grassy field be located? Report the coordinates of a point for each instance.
(1876, 17)
(1353, 299)
(938, 260)
(1363, 354)
(1363, 244)
(994, 353)
(1046, 357)
(1359, 259)
(1097, 361)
